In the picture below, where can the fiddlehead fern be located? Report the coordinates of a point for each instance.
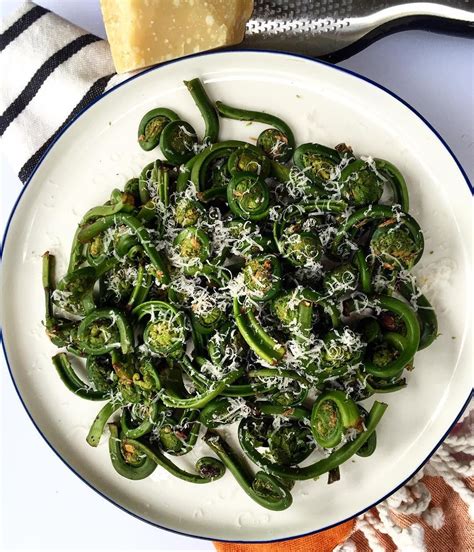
(262, 285)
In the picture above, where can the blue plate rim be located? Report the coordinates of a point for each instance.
(56, 139)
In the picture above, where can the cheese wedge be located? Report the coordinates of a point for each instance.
(145, 32)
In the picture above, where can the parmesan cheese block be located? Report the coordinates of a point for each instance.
(145, 32)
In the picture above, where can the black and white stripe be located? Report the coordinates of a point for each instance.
(51, 71)
(20, 25)
(37, 80)
(94, 91)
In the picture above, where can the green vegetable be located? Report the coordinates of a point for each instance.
(270, 143)
(207, 109)
(229, 283)
(177, 142)
(361, 184)
(318, 163)
(333, 413)
(151, 126)
(265, 489)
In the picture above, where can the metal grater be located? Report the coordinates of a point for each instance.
(337, 28)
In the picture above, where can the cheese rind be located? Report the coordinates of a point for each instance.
(145, 32)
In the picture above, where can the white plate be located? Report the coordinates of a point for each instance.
(324, 104)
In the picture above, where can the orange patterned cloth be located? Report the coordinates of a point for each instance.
(327, 540)
(456, 535)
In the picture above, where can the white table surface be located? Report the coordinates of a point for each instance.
(44, 506)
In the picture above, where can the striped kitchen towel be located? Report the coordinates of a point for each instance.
(50, 71)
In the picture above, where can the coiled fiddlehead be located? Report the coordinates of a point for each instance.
(248, 196)
(402, 247)
(299, 247)
(151, 126)
(281, 436)
(265, 489)
(396, 246)
(76, 291)
(165, 332)
(188, 212)
(396, 181)
(425, 313)
(193, 249)
(177, 142)
(262, 285)
(406, 344)
(361, 184)
(103, 330)
(342, 349)
(126, 459)
(317, 162)
(333, 414)
(262, 277)
(179, 437)
(201, 173)
(248, 159)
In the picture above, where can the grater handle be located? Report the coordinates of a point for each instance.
(335, 30)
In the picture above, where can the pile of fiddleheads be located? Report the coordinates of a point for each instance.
(263, 285)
